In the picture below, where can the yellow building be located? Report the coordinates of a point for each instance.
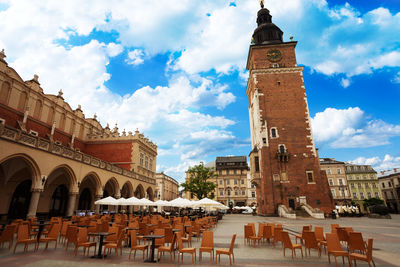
(363, 183)
(166, 187)
(336, 174)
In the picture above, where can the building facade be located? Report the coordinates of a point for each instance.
(54, 161)
(363, 183)
(167, 188)
(284, 163)
(336, 174)
(232, 184)
(389, 183)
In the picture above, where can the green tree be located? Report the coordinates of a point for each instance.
(372, 202)
(199, 181)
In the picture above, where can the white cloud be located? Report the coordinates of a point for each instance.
(332, 123)
(387, 163)
(345, 82)
(114, 49)
(135, 57)
(396, 78)
(348, 128)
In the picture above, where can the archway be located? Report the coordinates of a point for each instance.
(18, 175)
(139, 192)
(149, 193)
(88, 189)
(85, 200)
(111, 188)
(20, 200)
(59, 201)
(126, 191)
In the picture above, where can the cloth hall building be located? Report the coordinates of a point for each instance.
(54, 160)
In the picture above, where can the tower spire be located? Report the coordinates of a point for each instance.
(266, 32)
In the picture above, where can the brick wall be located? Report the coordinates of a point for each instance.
(111, 152)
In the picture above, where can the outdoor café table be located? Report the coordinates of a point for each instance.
(41, 226)
(101, 235)
(153, 245)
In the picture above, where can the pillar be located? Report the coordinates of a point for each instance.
(34, 202)
(97, 207)
(71, 203)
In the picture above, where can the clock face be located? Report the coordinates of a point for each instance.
(274, 55)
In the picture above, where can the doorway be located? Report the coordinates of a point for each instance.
(20, 200)
(59, 201)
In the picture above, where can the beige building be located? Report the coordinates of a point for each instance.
(251, 192)
(54, 160)
(389, 182)
(336, 174)
(166, 187)
(363, 183)
(232, 182)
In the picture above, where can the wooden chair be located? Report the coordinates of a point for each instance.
(334, 227)
(135, 246)
(63, 232)
(82, 241)
(114, 245)
(207, 244)
(188, 238)
(23, 237)
(310, 242)
(287, 243)
(361, 257)
(248, 231)
(267, 233)
(72, 235)
(169, 235)
(52, 236)
(257, 237)
(300, 236)
(357, 243)
(225, 251)
(159, 242)
(183, 250)
(277, 236)
(170, 249)
(112, 238)
(8, 235)
(319, 234)
(335, 248)
(343, 236)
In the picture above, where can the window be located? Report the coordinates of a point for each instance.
(273, 133)
(220, 172)
(310, 176)
(358, 177)
(220, 182)
(221, 192)
(228, 181)
(376, 194)
(141, 159)
(366, 185)
(369, 194)
(355, 195)
(342, 193)
(5, 92)
(242, 181)
(340, 181)
(362, 195)
(352, 185)
(276, 177)
(243, 192)
(373, 185)
(359, 185)
(330, 182)
(256, 164)
(253, 194)
(235, 181)
(365, 177)
(253, 186)
(383, 185)
(236, 192)
(333, 192)
(339, 171)
(146, 162)
(284, 176)
(328, 171)
(372, 176)
(389, 184)
(151, 164)
(229, 192)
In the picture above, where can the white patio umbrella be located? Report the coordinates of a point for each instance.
(162, 203)
(132, 201)
(207, 203)
(146, 202)
(181, 203)
(107, 201)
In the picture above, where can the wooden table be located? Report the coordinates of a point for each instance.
(153, 245)
(101, 235)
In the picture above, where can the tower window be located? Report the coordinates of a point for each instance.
(257, 164)
(279, 83)
(310, 176)
(282, 149)
(274, 132)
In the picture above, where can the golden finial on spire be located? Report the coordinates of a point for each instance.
(262, 3)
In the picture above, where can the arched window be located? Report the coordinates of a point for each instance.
(282, 149)
(4, 93)
(50, 116)
(22, 101)
(38, 109)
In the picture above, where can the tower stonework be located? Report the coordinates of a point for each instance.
(284, 162)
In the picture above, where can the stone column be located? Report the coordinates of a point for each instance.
(71, 203)
(34, 202)
(97, 207)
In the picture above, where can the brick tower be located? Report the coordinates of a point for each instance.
(284, 162)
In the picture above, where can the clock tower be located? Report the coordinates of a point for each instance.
(284, 162)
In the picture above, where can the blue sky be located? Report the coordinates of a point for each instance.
(175, 69)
